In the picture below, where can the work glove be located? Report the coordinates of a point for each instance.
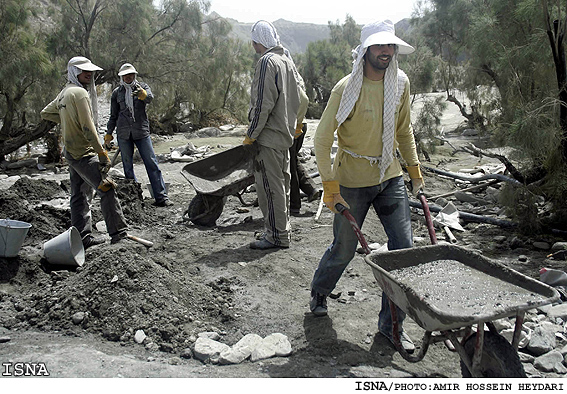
(139, 92)
(103, 162)
(248, 141)
(332, 195)
(416, 177)
(299, 130)
(107, 139)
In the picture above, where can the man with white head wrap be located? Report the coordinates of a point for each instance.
(87, 159)
(370, 111)
(274, 103)
(128, 116)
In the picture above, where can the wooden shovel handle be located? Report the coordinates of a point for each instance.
(144, 242)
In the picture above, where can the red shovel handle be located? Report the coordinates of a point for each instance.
(344, 211)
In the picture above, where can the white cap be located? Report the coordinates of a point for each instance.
(83, 63)
(127, 68)
(383, 33)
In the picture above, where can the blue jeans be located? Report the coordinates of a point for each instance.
(390, 201)
(146, 150)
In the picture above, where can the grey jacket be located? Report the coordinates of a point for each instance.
(274, 100)
(121, 118)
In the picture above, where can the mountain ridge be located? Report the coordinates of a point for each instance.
(295, 36)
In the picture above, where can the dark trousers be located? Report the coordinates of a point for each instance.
(300, 180)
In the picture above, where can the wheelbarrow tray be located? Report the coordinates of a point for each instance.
(222, 174)
(443, 287)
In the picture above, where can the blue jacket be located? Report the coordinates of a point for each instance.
(121, 119)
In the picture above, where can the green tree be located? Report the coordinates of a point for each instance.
(326, 62)
(511, 57)
(23, 70)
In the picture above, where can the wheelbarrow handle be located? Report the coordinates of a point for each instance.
(340, 207)
(427, 215)
(345, 212)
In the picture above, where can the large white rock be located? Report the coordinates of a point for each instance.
(206, 349)
(551, 362)
(280, 343)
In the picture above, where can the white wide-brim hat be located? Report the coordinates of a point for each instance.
(127, 68)
(383, 33)
(83, 63)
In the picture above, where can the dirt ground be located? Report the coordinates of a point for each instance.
(197, 279)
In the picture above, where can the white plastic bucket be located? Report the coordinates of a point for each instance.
(12, 235)
(65, 249)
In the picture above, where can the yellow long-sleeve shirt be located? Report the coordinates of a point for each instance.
(361, 133)
(72, 108)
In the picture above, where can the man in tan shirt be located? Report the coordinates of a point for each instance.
(87, 159)
(370, 111)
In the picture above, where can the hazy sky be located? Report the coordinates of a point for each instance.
(313, 11)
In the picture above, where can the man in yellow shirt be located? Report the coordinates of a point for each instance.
(75, 109)
(370, 111)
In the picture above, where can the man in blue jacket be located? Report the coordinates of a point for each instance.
(128, 116)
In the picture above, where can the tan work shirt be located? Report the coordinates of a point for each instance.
(72, 108)
(361, 133)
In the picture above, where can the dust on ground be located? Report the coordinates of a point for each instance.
(197, 279)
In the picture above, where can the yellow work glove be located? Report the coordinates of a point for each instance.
(107, 139)
(248, 141)
(298, 130)
(104, 162)
(332, 195)
(416, 177)
(139, 92)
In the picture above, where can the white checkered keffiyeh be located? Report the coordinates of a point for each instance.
(392, 95)
(265, 33)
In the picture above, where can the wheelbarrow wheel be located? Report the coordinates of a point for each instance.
(204, 210)
(499, 358)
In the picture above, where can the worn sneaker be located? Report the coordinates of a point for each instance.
(318, 304)
(90, 240)
(163, 203)
(264, 244)
(406, 341)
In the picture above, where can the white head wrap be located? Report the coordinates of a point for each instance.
(265, 33)
(377, 33)
(127, 68)
(77, 65)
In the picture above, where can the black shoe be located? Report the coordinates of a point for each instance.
(318, 304)
(163, 203)
(294, 211)
(264, 244)
(316, 195)
(118, 237)
(90, 240)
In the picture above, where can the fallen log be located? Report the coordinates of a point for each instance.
(468, 189)
(471, 148)
(473, 179)
(468, 217)
(25, 136)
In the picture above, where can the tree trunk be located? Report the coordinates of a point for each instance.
(556, 35)
(24, 136)
(8, 120)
